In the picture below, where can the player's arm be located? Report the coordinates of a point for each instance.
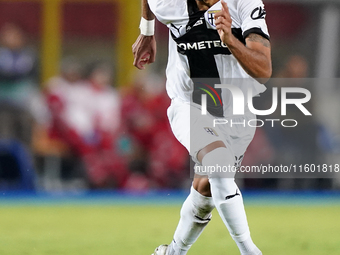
(255, 57)
(144, 49)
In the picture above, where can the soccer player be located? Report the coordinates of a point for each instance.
(225, 39)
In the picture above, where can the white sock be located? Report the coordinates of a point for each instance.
(229, 203)
(195, 216)
(248, 247)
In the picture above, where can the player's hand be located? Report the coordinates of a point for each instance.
(144, 51)
(223, 24)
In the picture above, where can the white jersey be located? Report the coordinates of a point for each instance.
(196, 51)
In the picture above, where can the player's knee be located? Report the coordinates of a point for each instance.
(219, 163)
(198, 205)
(202, 186)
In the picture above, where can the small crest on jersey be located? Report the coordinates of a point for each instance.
(211, 131)
(211, 17)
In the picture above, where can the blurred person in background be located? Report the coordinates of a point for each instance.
(296, 145)
(157, 156)
(59, 138)
(86, 115)
(106, 166)
(300, 144)
(20, 99)
(64, 96)
(21, 106)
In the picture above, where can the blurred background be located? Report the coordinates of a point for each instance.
(75, 115)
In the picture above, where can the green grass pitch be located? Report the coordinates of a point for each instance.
(137, 230)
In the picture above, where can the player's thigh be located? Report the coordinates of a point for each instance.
(192, 129)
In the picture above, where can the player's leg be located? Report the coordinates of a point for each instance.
(194, 217)
(228, 198)
(195, 213)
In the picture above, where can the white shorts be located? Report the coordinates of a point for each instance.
(195, 131)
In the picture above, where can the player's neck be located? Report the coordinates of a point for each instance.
(204, 5)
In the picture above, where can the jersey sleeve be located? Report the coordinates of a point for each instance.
(252, 15)
(169, 11)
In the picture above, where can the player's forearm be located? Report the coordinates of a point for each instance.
(144, 49)
(256, 63)
(146, 12)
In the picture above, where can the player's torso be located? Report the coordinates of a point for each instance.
(200, 43)
(196, 51)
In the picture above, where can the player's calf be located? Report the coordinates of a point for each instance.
(195, 216)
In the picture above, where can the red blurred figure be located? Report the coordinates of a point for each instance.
(145, 120)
